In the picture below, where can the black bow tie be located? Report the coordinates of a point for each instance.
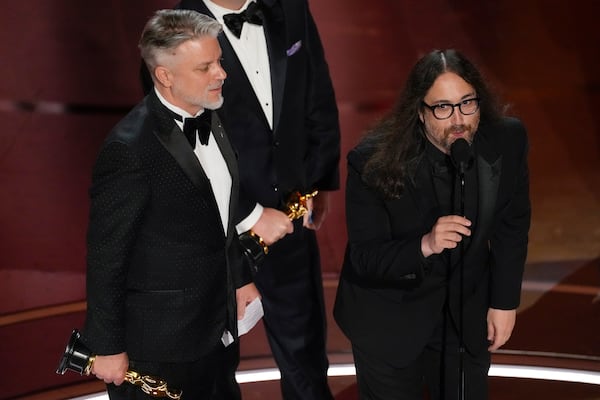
(197, 126)
(253, 15)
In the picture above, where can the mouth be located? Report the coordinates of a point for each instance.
(455, 135)
(216, 87)
(457, 131)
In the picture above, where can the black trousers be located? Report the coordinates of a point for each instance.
(212, 377)
(291, 286)
(433, 375)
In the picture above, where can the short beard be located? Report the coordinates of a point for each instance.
(215, 104)
(468, 129)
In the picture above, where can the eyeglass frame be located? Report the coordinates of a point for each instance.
(459, 105)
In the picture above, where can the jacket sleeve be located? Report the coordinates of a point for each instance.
(322, 122)
(376, 255)
(118, 196)
(242, 269)
(508, 244)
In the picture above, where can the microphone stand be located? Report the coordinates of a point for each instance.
(461, 343)
(461, 154)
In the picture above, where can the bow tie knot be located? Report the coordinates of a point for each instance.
(199, 126)
(253, 14)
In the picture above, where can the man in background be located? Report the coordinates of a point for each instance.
(282, 119)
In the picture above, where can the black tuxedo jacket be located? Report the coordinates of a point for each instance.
(301, 152)
(162, 272)
(390, 297)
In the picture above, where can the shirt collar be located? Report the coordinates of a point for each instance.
(218, 11)
(174, 108)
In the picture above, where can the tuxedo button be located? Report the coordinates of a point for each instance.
(276, 143)
(275, 187)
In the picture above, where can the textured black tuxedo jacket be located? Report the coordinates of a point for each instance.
(302, 150)
(390, 297)
(162, 273)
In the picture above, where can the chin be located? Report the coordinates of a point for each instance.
(213, 105)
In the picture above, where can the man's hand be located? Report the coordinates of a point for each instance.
(244, 296)
(112, 368)
(272, 225)
(500, 326)
(318, 208)
(445, 234)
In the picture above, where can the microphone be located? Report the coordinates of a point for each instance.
(461, 155)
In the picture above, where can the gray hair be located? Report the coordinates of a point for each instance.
(167, 29)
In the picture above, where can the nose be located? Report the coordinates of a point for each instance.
(220, 73)
(457, 116)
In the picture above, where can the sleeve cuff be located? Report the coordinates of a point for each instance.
(247, 223)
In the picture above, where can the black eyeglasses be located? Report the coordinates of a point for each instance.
(445, 110)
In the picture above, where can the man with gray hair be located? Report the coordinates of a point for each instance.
(166, 278)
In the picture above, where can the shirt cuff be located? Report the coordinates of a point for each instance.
(251, 220)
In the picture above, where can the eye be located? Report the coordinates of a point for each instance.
(443, 106)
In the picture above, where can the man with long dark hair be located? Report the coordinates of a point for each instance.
(436, 242)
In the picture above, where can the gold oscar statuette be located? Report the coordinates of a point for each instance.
(255, 247)
(78, 358)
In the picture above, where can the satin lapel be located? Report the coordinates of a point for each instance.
(275, 34)
(231, 161)
(489, 179)
(489, 166)
(231, 62)
(173, 140)
(237, 81)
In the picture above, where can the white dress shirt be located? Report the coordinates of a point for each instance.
(251, 50)
(212, 162)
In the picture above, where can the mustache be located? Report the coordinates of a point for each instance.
(217, 85)
(457, 128)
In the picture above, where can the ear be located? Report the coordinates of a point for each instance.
(163, 76)
(422, 117)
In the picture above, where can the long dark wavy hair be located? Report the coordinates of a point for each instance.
(398, 139)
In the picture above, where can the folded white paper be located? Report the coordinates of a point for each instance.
(254, 312)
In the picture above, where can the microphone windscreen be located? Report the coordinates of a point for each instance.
(460, 153)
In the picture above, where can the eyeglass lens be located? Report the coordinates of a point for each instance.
(466, 107)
